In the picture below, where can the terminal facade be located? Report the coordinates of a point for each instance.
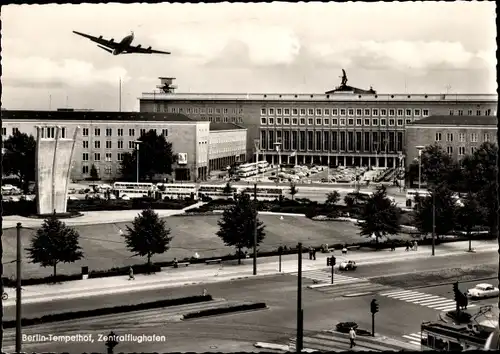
(346, 126)
(104, 137)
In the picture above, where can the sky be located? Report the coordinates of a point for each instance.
(414, 47)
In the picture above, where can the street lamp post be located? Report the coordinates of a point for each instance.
(433, 222)
(137, 143)
(255, 230)
(18, 289)
(277, 145)
(419, 148)
(300, 313)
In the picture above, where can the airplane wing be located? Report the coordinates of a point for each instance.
(110, 43)
(139, 49)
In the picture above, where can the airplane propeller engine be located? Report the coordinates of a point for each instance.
(112, 40)
(139, 46)
(100, 37)
(149, 48)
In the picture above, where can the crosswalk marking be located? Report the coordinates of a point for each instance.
(342, 284)
(325, 276)
(414, 338)
(335, 341)
(432, 301)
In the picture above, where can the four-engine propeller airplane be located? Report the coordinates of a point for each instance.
(122, 47)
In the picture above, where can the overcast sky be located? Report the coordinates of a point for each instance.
(417, 47)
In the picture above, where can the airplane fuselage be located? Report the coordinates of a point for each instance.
(124, 43)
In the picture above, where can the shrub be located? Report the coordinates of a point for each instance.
(65, 316)
(344, 327)
(224, 310)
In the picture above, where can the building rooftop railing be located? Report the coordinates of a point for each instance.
(338, 96)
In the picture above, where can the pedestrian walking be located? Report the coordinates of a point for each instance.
(175, 264)
(310, 253)
(314, 253)
(415, 245)
(131, 275)
(393, 246)
(352, 337)
(407, 246)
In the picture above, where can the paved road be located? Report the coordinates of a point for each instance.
(237, 331)
(322, 310)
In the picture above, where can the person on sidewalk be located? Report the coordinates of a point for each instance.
(407, 246)
(314, 253)
(310, 253)
(415, 245)
(175, 263)
(393, 246)
(352, 337)
(131, 275)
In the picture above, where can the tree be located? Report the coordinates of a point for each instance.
(293, 190)
(149, 235)
(469, 215)
(94, 175)
(237, 225)
(480, 177)
(155, 157)
(350, 201)
(227, 189)
(444, 211)
(54, 243)
(19, 155)
(332, 198)
(379, 216)
(437, 165)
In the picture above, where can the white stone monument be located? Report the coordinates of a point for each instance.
(54, 157)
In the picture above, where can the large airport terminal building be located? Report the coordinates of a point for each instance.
(346, 126)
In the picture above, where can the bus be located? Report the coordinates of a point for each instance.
(215, 192)
(177, 190)
(126, 190)
(247, 169)
(264, 193)
(450, 338)
(263, 166)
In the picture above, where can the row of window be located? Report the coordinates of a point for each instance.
(203, 110)
(108, 157)
(119, 131)
(461, 150)
(460, 112)
(46, 132)
(86, 169)
(462, 137)
(392, 112)
(332, 141)
(109, 144)
(223, 119)
(326, 121)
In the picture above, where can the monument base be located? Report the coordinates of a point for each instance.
(68, 215)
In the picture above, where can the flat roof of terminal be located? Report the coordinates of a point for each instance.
(96, 115)
(456, 120)
(224, 126)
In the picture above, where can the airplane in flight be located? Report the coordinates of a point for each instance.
(122, 47)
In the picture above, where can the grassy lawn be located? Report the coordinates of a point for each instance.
(104, 247)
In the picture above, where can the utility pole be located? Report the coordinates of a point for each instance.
(18, 289)
(120, 96)
(300, 313)
(433, 221)
(255, 230)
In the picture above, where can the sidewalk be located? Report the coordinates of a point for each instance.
(93, 217)
(204, 274)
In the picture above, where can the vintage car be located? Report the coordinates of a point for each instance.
(482, 291)
(349, 265)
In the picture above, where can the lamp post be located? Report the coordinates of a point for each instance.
(300, 313)
(137, 143)
(419, 148)
(277, 146)
(255, 230)
(18, 289)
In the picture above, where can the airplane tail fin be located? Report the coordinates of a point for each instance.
(106, 49)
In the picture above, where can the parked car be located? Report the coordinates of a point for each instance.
(483, 291)
(349, 265)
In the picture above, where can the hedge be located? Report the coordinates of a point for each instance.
(224, 310)
(142, 268)
(138, 269)
(65, 316)
(28, 207)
